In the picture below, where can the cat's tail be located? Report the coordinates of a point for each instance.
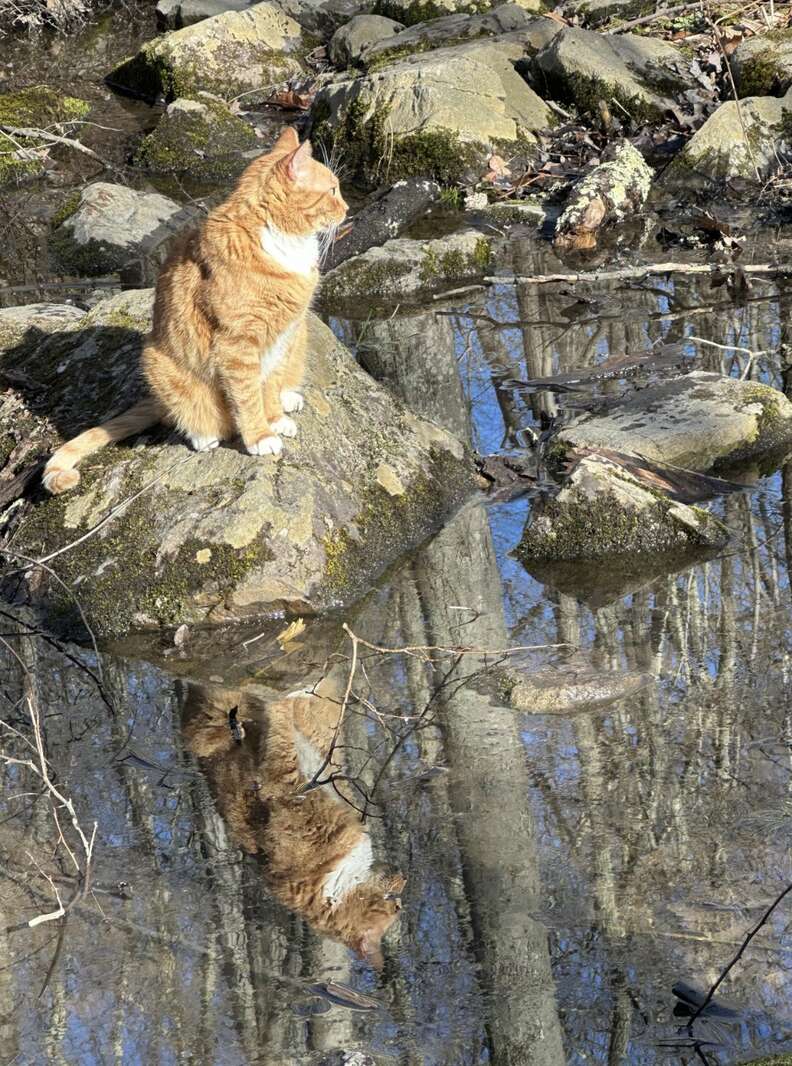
(60, 474)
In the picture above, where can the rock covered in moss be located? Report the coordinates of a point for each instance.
(507, 20)
(720, 151)
(37, 107)
(438, 115)
(112, 227)
(315, 16)
(403, 268)
(199, 137)
(582, 68)
(762, 65)
(700, 421)
(602, 511)
(350, 40)
(225, 535)
(228, 54)
(613, 191)
(176, 14)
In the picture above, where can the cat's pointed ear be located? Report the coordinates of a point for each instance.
(288, 140)
(369, 949)
(298, 163)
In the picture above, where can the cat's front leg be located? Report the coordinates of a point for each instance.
(239, 365)
(291, 397)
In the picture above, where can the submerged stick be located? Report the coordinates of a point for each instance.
(633, 272)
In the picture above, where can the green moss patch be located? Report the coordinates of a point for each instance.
(201, 137)
(37, 107)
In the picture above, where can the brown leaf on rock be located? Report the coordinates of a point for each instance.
(290, 100)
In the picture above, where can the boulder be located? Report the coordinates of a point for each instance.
(508, 19)
(384, 218)
(598, 12)
(37, 107)
(438, 115)
(349, 41)
(582, 67)
(229, 54)
(573, 688)
(403, 268)
(719, 151)
(602, 512)
(762, 66)
(223, 535)
(700, 422)
(412, 11)
(112, 227)
(199, 137)
(176, 14)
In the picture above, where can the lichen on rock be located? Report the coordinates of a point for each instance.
(228, 54)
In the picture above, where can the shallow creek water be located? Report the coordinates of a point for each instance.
(563, 870)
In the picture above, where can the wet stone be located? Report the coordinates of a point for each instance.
(701, 421)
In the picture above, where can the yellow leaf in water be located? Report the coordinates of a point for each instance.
(290, 633)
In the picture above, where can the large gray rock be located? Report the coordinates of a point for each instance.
(199, 137)
(413, 11)
(228, 54)
(603, 512)
(404, 268)
(439, 115)
(762, 65)
(349, 41)
(642, 74)
(510, 20)
(315, 16)
(700, 421)
(113, 227)
(222, 535)
(720, 151)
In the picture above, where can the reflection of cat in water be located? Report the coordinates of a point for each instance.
(317, 852)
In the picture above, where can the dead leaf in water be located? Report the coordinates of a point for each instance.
(287, 637)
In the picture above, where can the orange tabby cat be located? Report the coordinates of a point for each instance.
(316, 851)
(227, 346)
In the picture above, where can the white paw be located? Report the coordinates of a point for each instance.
(292, 401)
(266, 446)
(203, 444)
(286, 426)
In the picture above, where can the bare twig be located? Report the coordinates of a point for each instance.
(638, 271)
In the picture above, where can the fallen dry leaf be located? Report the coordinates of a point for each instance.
(290, 100)
(290, 633)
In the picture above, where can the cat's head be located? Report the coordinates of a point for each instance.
(370, 911)
(297, 193)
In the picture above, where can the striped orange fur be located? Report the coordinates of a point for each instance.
(226, 351)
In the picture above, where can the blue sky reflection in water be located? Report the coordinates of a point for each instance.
(564, 869)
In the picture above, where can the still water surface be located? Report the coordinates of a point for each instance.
(563, 870)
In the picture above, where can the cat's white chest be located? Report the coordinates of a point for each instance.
(298, 255)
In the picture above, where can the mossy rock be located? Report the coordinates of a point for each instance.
(762, 65)
(224, 536)
(230, 54)
(37, 107)
(437, 115)
(199, 137)
(583, 68)
(403, 269)
(410, 12)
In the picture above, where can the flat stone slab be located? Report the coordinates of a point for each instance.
(700, 421)
(404, 267)
(218, 536)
